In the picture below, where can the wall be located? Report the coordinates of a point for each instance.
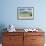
(9, 13)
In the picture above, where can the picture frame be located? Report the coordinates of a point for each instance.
(25, 13)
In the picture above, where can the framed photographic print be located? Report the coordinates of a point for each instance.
(25, 13)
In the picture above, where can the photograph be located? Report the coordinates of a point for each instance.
(25, 13)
